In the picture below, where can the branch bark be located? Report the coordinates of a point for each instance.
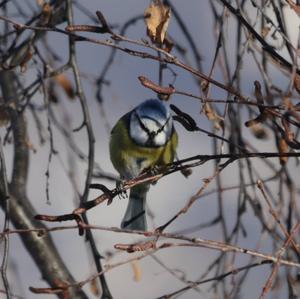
(21, 212)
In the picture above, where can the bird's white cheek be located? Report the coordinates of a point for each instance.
(160, 139)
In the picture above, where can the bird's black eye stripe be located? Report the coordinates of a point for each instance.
(162, 128)
(151, 134)
(142, 125)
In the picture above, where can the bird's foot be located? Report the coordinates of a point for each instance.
(153, 171)
(122, 193)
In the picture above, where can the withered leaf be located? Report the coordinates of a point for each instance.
(283, 148)
(157, 17)
(297, 82)
(212, 115)
(137, 271)
(95, 288)
(66, 84)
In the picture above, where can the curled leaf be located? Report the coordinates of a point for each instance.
(212, 115)
(157, 17)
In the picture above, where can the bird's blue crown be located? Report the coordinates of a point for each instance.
(154, 109)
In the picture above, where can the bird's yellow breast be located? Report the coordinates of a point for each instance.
(130, 159)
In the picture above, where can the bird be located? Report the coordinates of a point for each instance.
(142, 139)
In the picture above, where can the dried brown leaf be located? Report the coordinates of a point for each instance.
(137, 271)
(66, 84)
(94, 287)
(283, 148)
(157, 17)
(297, 82)
(212, 115)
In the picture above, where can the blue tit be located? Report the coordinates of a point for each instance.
(142, 139)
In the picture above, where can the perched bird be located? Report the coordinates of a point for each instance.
(142, 139)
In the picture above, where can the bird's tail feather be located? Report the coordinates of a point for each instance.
(135, 215)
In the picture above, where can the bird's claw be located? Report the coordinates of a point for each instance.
(122, 194)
